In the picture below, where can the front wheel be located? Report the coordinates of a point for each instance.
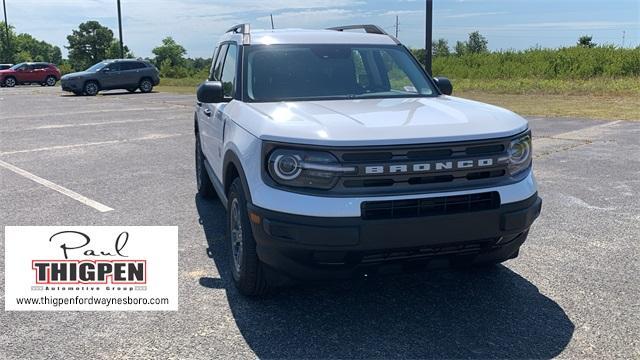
(50, 81)
(10, 82)
(249, 273)
(91, 88)
(146, 86)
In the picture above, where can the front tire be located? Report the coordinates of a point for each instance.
(249, 273)
(10, 82)
(91, 88)
(50, 81)
(205, 187)
(146, 85)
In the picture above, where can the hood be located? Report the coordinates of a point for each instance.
(382, 121)
(6, 71)
(77, 74)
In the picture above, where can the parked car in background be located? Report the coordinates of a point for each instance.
(30, 73)
(128, 74)
(5, 66)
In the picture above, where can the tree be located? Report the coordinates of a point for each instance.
(113, 52)
(477, 43)
(420, 55)
(170, 53)
(460, 48)
(585, 41)
(440, 48)
(89, 44)
(25, 47)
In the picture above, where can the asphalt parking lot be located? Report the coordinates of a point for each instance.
(573, 292)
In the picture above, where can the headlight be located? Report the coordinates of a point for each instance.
(312, 169)
(520, 154)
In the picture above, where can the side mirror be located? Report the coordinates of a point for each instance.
(210, 92)
(444, 85)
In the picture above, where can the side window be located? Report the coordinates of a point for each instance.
(217, 68)
(138, 65)
(213, 62)
(126, 66)
(116, 66)
(229, 71)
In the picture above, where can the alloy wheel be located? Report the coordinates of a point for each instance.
(236, 235)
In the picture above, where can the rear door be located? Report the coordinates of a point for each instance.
(39, 72)
(130, 74)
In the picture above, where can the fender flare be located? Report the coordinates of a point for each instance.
(230, 158)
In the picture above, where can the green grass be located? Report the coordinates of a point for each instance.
(601, 86)
(598, 98)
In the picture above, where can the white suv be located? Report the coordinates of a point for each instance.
(336, 154)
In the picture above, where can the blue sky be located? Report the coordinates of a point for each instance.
(196, 24)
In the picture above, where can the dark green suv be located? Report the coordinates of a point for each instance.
(128, 74)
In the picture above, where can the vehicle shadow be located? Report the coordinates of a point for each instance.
(125, 92)
(446, 314)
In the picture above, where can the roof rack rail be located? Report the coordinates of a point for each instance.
(368, 28)
(245, 30)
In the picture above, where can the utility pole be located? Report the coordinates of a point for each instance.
(6, 28)
(428, 32)
(120, 31)
(624, 32)
(396, 26)
(272, 27)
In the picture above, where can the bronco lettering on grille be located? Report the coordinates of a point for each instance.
(425, 167)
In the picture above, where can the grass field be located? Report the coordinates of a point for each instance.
(599, 98)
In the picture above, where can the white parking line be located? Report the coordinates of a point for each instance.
(72, 194)
(62, 147)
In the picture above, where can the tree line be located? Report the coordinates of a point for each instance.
(91, 43)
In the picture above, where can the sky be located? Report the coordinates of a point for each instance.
(196, 24)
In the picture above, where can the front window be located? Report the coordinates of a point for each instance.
(97, 67)
(19, 66)
(317, 72)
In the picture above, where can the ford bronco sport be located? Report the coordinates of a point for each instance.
(336, 154)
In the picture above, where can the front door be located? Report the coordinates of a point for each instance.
(214, 113)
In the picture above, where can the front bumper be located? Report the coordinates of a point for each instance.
(70, 85)
(307, 247)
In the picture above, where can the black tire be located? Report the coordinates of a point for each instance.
(146, 85)
(248, 272)
(50, 81)
(10, 81)
(205, 187)
(91, 88)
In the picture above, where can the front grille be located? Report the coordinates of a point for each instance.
(395, 209)
(419, 181)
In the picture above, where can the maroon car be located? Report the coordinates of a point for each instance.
(30, 73)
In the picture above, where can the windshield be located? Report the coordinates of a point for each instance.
(16, 66)
(96, 67)
(316, 72)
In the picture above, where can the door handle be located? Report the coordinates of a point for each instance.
(207, 112)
